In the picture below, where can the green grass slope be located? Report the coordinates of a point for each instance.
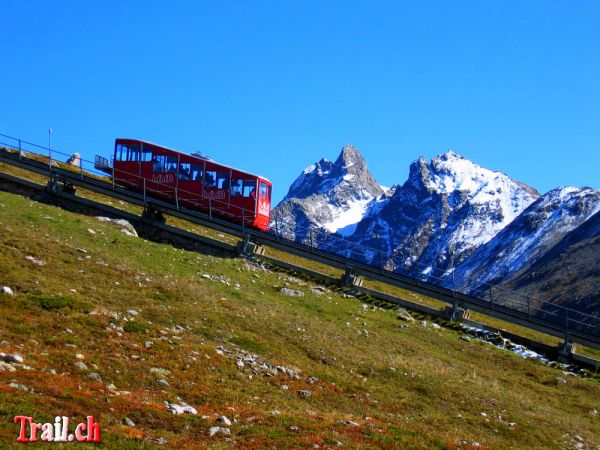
(128, 307)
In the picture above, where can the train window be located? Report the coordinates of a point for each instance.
(134, 152)
(121, 152)
(263, 191)
(196, 171)
(216, 179)
(146, 153)
(236, 187)
(249, 188)
(128, 152)
(223, 180)
(163, 163)
(184, 172)
(210, 178)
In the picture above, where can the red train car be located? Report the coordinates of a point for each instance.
(193, 181)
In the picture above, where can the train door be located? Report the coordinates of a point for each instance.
(263, 205)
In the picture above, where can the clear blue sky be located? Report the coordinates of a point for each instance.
(272, 86)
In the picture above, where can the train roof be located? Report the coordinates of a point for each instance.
(191, 156)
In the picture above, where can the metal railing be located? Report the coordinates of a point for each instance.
(315, 239)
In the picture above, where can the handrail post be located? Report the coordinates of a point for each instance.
(176, 199)
(144, 191)
(243, 223)
(209, 208)
(113, 176)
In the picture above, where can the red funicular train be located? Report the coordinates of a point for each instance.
(193, 181)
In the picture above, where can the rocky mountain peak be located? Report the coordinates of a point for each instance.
(349, 173)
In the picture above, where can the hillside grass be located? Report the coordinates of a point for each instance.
(303, 262)
(411, 387)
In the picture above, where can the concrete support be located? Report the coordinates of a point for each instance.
(565, 351)
(150, 215)
(349, 279)
(56, 186)
(247, 248)
(455, 313)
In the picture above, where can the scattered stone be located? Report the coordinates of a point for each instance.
(224, 420)
(132, 312)
(159, 441)
(180, 408)
(18, 386)
(482, 414)
(148, 344)
(7, 367)
(94, 376)
(561, 380)
(160, 372)
(163, 383)
(14, 358)
(219, 430)
(404, 315)
(111, 387)
(294, 428)
(275, 412)
(127, 421)
(7, 291)
(291, 292)
(126, 227)
(435, 326)
(311, 380)
(81, 365)
(365, 332)
(92, 232)
(464, 337)
(348, 423)
(79, 356)
(37, 262)
(304, 394)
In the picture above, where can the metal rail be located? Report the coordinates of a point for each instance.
(571, 325)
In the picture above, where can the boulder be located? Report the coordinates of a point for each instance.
(291, 292)
(7, 291)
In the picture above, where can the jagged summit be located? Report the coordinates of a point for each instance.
(349, 171)
(329, 195)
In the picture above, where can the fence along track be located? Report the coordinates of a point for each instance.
(571, 328)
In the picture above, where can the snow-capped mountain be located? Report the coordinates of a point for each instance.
(530, 236)
(452, 223)
(330, 196)
(447, 208)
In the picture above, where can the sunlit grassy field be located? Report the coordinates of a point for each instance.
(378, 384)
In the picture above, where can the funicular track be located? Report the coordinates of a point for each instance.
(63, 182)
